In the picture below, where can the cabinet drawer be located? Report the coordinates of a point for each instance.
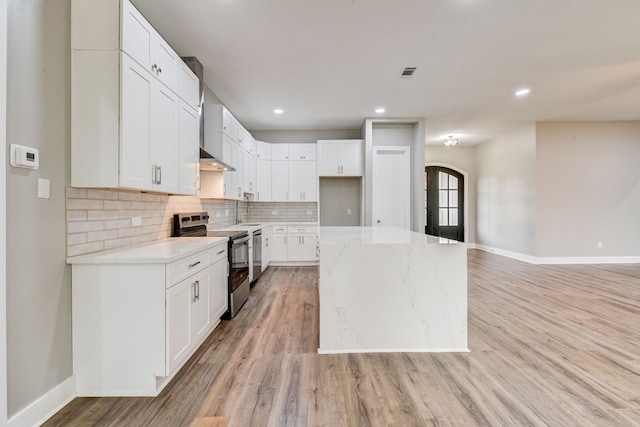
(180, 270)
(279, 229)
(219, 253)
(311, 229)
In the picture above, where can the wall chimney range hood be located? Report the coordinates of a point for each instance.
(208, 162)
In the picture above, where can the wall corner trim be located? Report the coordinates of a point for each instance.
(45, 406)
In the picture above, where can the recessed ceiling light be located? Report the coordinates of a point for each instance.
(380, 110)
(523, 92)
(278, 111)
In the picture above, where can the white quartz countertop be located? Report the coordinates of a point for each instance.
(251, 227)
(156, 252)
(377, 235)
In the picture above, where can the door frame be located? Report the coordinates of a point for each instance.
(465, 174)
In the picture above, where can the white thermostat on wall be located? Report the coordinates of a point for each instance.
(24, 157)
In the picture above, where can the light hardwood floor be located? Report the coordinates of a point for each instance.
(550, 345)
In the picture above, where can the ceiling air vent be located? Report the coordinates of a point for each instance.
(408, 71)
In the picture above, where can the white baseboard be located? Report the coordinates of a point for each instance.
(558, 260)
(46, 406)
(399, 350)
(509, 254)
(590, 260)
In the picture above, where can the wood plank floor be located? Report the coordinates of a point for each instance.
(550, 346)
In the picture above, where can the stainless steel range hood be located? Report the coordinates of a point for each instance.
(208, 162)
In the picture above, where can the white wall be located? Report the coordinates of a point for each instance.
(506, 192)
(588, 182)
(462, 159)
(38, 279)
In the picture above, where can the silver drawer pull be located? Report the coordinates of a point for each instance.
(194, 264)
(220, 252)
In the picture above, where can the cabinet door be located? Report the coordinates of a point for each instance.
(189, 87)
(167, 63)
(263, 150)
(137, 36)
(279, 247)
(189, 150)
(279, 151)
(219, 289)
(302, 181)
(279, 181)
(302, 151)
(165, 112)
(201, 305)
(178, 323)
(301, 247)
(135, 126)
(263, 193)
(229, 124)
(351, 155)
(328, 158)
(248, 172)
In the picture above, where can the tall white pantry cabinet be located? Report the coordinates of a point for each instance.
(133, 104)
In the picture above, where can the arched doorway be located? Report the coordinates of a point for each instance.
(444, 203)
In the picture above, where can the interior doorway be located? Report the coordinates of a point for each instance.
(444, 203)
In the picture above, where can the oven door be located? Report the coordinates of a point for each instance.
(239, 261)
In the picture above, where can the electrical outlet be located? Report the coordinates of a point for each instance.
(226, 212)
(274, 212)
(348, 211)
(136, 221)
(218, 214)
(308, 212)
(599, 244)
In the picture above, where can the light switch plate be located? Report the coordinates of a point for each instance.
(43, 188)
(136, 221)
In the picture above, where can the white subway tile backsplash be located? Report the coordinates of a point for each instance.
(76, 204)
(73, 250)
(94, 236)
(117, 223)
(101, 219)
(79, 227)
(76, 238)
(102, 194)
(76, 193)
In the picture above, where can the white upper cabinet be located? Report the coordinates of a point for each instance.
(189, 87)
(280, 181)
(302, 151)
(126, 103)
(189, 127)
(340, 157)
(263, 178)
(143, 43)
(279, 151)
(303, 181)
(263, 150)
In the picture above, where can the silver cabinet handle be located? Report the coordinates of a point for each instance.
(224, 189)
(285, 240)
(258, 196)
(303, 240)
(197, 290)
(194, 264)
(227, 269)
(267, 242)
(193, 292)
(159, 174)
(220, 252)
(287, 195)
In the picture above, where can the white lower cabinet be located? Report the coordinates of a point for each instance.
(188, 316)
(136, 323)
(267, 243)
(294, 244)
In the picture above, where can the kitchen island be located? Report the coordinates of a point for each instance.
(385, 289)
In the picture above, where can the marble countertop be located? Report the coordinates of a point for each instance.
(156, 252)
(377, 235)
